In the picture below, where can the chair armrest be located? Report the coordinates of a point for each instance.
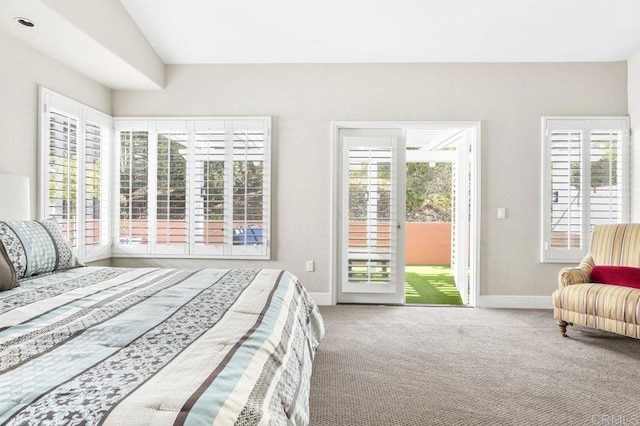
(576, 275)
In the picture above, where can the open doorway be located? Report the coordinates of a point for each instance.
(369, 215)
(438, 207)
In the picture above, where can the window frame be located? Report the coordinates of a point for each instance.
(49, 100)
(189, 250)
(584, 124)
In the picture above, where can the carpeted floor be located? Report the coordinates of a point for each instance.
(381, 365)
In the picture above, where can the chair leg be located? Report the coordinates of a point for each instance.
(563, 327)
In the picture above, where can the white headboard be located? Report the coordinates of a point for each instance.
(14, 197)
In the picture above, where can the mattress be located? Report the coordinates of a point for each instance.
(157, 346)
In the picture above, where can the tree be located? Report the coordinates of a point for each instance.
(429, 192)
(604, 170)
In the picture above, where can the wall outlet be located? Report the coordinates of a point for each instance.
(310, 265)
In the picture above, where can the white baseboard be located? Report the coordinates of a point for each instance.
(515, 302)
(321, 299)
(506, 302)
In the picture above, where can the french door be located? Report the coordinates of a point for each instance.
(372, 211)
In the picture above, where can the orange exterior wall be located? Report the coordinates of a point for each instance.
(428, 243)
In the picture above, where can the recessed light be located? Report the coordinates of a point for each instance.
(26, 22)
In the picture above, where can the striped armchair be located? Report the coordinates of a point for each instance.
(606, 307)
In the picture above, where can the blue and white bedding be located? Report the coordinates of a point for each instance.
(157, 346)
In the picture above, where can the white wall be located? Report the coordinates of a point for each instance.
(509, 99)
(22, 70)
(633, 72)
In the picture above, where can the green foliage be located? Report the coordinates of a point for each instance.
(172, 179)
(133, 175)
(429, 192)
(604, 171)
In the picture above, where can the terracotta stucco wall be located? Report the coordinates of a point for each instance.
(428, 243)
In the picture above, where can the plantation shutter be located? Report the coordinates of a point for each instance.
(454, 222)
(74, 185)
(172, 221)
(586, 165)
(96, 197)
(369, 226)
(249, 187)
(62, 171)
(210, 230)
(608, 174)
(133, 209)
(198, 187)
(566, 220)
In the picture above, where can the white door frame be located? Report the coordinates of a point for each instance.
(336, 192)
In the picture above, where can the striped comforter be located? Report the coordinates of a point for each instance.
(157, 346)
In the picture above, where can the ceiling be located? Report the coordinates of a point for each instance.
(325, 31)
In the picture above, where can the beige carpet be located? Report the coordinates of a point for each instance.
(383, 365)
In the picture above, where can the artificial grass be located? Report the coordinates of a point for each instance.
(431, 285)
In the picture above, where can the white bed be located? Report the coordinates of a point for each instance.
(97, 345)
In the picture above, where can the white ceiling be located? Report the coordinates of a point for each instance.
(318, 31)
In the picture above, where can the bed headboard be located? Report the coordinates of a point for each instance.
(14, 197)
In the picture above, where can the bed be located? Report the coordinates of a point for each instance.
(102, 345)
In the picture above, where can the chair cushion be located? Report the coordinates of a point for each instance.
(618, 275)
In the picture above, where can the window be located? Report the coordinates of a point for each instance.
(75, 145)
(585, 182)
(197, 187)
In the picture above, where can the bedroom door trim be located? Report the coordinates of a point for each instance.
(337, 193)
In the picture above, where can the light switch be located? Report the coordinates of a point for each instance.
(502, 213)
(310, 265)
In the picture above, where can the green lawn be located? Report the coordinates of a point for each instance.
(431, 285)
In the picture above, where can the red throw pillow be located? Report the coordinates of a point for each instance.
(618, 275)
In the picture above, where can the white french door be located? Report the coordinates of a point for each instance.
(372, 211)
(461, 222)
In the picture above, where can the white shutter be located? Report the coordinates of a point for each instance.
(608, 177)
(585, 182)
(96, 190)
(369, 224)
(454, 222)
(74, 168)
(172, 220)
(63, 173)
(133, 209)
(566, 220)
(208, 193)
(210, 230)
(250, 189)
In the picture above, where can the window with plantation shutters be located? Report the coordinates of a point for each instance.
(133, 189)
(75, 145)
(172, 224)
(210, 229)
(62, 176)
(586, 175)
(208, 195)
(96, 192)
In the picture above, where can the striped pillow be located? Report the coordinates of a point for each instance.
(36, 247)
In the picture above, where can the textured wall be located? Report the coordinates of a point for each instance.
(634, 113)
(22, 70)
(509, 99)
